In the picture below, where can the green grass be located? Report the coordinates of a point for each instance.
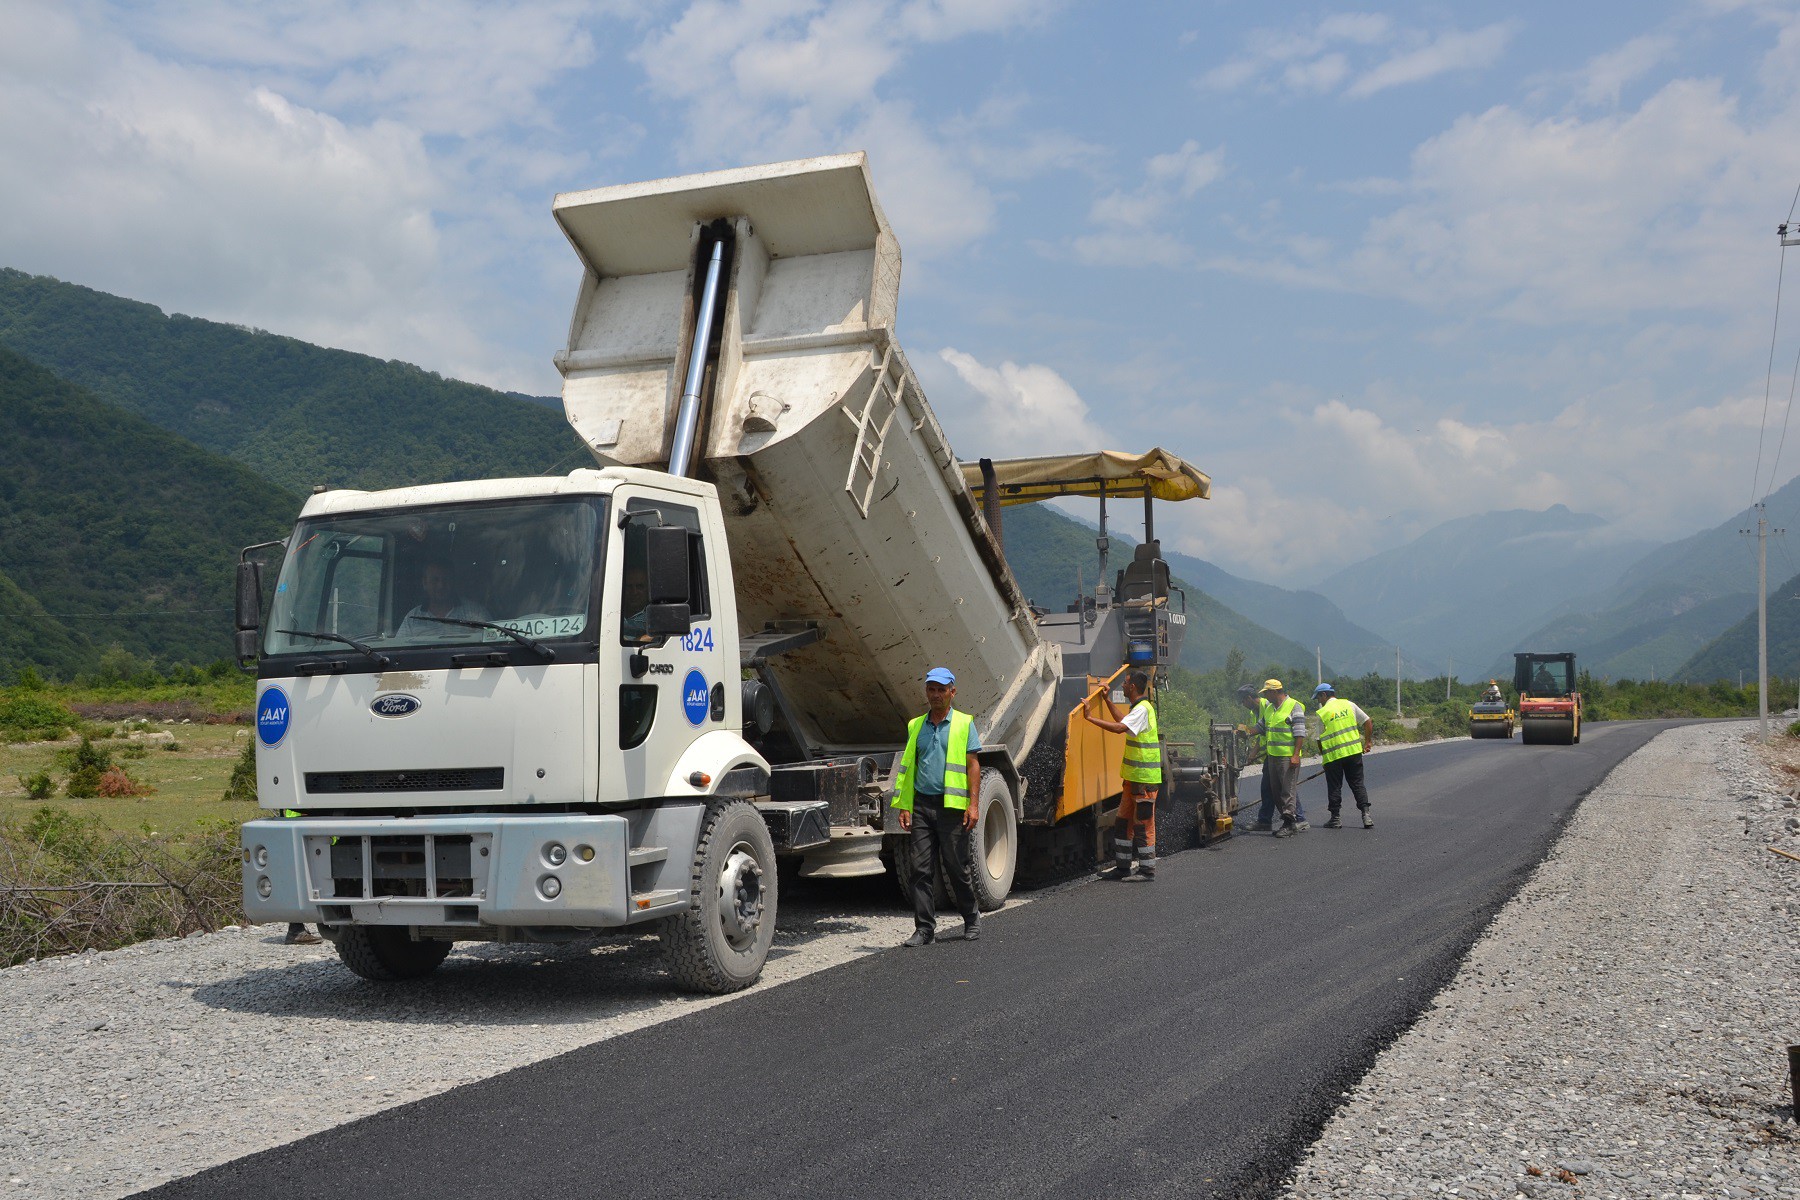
(188, 781)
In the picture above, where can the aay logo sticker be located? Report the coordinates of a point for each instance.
(397, 704)
(695, 699)
(272, 717)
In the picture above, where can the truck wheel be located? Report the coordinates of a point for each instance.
(720, 943)
(387, 953)
(994, 845)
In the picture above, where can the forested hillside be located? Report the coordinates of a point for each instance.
(1048, 552)
(295, 413)
(115, 531)
(1735, 649)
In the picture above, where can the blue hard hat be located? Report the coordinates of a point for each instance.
(1324, 687)
(941, 675)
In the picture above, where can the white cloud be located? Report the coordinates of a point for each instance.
(1455, 51)
(1604, 77)
(1355, 54)
(1132, 228)
(1664, 208)
(787, 78)
(340, 172)
(1347, 469)
(1023, 410)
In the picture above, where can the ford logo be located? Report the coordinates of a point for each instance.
(398, 705)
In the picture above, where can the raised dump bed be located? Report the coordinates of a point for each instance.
(844, 502)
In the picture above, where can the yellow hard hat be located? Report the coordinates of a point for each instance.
(1273, 685)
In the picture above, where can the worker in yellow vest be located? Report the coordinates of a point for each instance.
(1134, 829)
(937, 796)
(1282, 721)
(1345, 733)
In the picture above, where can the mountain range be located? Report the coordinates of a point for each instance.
(139, 450)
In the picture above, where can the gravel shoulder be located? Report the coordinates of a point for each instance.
(1620, 1029)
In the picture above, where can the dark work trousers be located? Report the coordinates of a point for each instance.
(938, 837)
(1270, 802)
(1336, 773)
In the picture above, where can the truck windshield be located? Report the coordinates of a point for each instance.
(404, 577)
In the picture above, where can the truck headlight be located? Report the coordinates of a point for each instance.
(263, 887)
(556, 854)
(550, 887)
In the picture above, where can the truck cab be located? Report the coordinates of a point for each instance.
(500, 709)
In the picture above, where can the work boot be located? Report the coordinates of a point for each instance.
(921, 937)
(971, 931)
(1336, 822)
(1302, 825)
(1288, 829)
(1116, 871)
(1261, 827)
(1368, 821)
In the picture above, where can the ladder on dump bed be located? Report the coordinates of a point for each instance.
(872, 425)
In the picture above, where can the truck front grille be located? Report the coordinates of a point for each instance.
(424, 866)
(454, 779)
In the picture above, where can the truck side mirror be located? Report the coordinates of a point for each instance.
(666, 564)
(249, 595)
(666, 568)
(668, 620)
(247, 641)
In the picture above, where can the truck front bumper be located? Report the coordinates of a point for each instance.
(550, 870)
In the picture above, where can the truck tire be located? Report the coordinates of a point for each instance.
(720, 943)
(387, 953)
(994, 844)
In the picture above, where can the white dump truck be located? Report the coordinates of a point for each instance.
(541, 709)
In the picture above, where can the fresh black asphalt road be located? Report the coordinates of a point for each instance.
(1187, 1036)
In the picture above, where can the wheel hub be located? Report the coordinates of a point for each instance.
(740, 894)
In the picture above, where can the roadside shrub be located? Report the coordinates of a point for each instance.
(86, 765)
(63, 836)
(39, 786)
(29, 715)
(242, 785)
(1793, 730)
(114, 783)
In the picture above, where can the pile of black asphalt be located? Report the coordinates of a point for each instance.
(1183, 1037)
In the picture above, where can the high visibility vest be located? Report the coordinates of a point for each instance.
(1278, 732)
(956, 762)
(1143, 751)
(1339, 736)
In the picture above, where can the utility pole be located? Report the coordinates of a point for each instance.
(1449, 668)
(1319, 662)
(1397, 681)
(1762, 532)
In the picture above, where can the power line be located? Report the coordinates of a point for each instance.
(1769, 374)
(1768, 379)
(168, 612)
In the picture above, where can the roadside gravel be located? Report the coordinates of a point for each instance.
(123, 1069)
(1620, 1029)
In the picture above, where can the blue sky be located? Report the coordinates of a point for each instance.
(1370, 267)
